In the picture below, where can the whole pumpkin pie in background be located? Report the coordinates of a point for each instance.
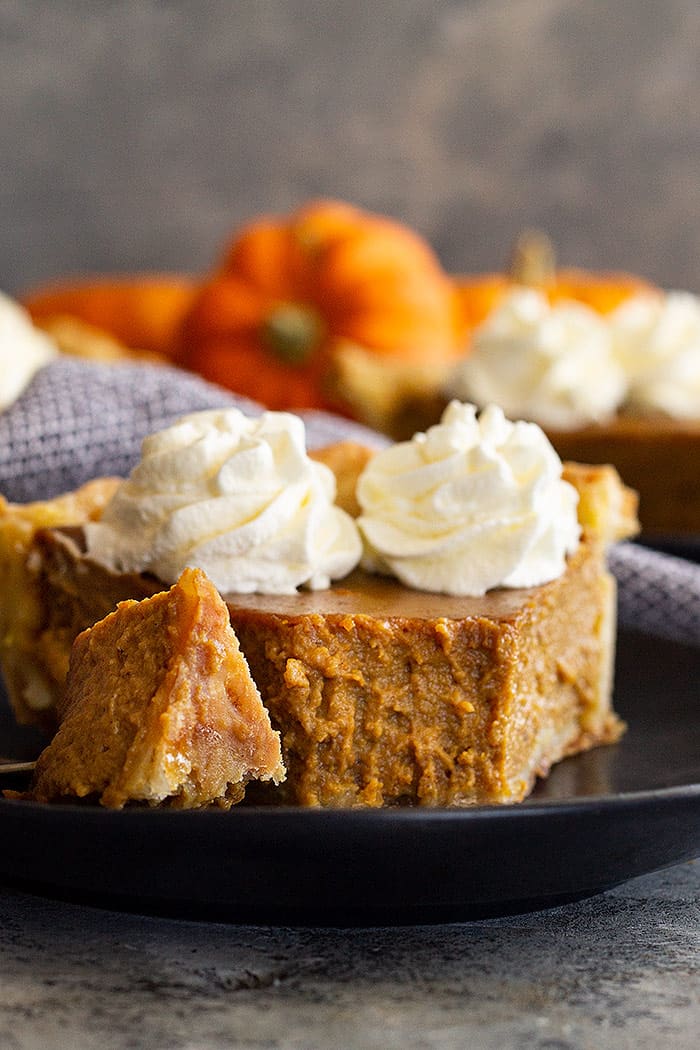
(608, 365)
(383, 693)
(160, 707)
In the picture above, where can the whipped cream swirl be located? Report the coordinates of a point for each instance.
(657, 343)
(24, 349)
(473, 503)
(235, 496)
(550, 363)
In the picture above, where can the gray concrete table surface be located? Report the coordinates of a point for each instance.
(620, 970)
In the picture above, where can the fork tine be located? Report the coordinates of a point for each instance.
(11, 765)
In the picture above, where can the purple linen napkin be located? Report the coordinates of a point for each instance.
(658, 593)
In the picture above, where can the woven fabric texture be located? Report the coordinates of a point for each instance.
(78, 420)
(658, 593)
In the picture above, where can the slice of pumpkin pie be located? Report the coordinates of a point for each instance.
(160, 708)
(389, 685)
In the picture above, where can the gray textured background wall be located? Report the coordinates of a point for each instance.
(137, 134)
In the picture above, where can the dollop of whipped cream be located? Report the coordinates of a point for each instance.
(24, 349)
(657, 343)
(235, 496)
(475, 502)
(552, 363)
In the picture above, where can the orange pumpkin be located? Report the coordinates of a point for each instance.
(142, 312)
(291, 292)
(533, 265)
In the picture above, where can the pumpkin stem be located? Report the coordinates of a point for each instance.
(533, 259)
(292, 332)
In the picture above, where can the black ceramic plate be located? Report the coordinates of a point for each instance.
(600, 819)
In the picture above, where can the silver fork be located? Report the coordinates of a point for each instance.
(12, 765)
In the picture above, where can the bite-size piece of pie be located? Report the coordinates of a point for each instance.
(160, 708)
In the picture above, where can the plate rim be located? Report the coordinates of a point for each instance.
(407, 814)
